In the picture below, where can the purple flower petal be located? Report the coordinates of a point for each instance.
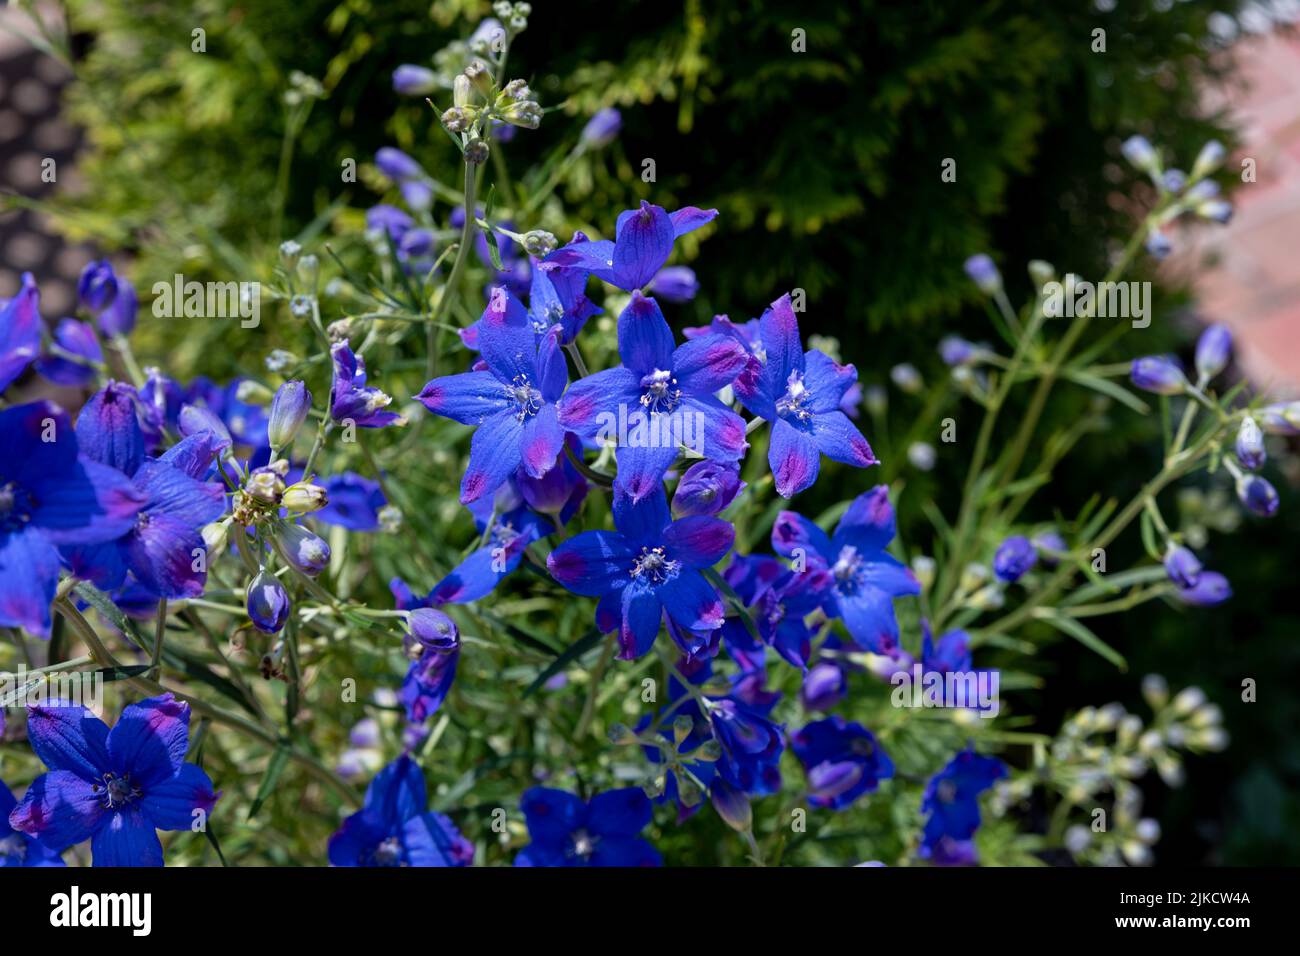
(69, 737)
(689, 218)
(593, 563)
(645, 343)
(469, 398)
(699, 541)
(794, 458)
(150, 739)
(127, 838)
(642, 614)
(60, 808)
(692, 602)
(494, 454)
(643, 242)
(170, 804)
(29, 577)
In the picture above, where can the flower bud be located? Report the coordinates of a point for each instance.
(214, 537)
(907, 378)
(1281, 419)
(823, 687)
(459, 119)
(732, 805)
(675, 283)
(954, 350)
(480, 77)
(432, 630)
(1210, 588)
(539, 243)
(289, 253)
(1173, 180)
(306, 551)
(252, 392)
(1140, 154)
(268, 603)
(196, 418)
(289, 410)
(1250, 445)
(1158, 373)
(1015, 557)
(1208, 159)
(265, 486)
(1257, 495)
(602, 128)
(1212, 351)
(1217, 210)
(411, 80)
(1041, 272)
(1187, 700)
(477, 152)
(525, 113)
(924, 567)
(119, 317)
(984, 274)
(1182, 566)
(304, 497)
(1158, 244)
(706, 488)
(97, 285)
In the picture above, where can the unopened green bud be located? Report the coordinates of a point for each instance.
(304, 497)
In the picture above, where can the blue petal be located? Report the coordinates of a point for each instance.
(127, 838)
(397, 793)
(624, 812)
(29, 577)
(645, 343)
(642, 614)
(868, 525)
(150, 739)
(642, 245)
(692, 602)
(108, 428)
(494, 454)
(552, 814)
(171, 805)
(592, 563)
(793, 458)
(60, 808)
(592, 402)
(643, 520)
(869, 617)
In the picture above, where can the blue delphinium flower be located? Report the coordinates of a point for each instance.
(20, 332)
(351, 399)
(16, 847)
(824, 686)
(951, 801)
(661, 393)
(113, 787)
(50, 495)
(863, 579)
(1015, 557)
(513, 528)
(512, 402)
(649, 566)
(160, 551)
(605, 831)
(433, 636)
(779, 598)
(75, 339)
(395, 826)
(800, 394)
(842, 759)
(643, 241)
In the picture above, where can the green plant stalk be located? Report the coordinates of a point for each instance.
(234, 721)
(433, 331)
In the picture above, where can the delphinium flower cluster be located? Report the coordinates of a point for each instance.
(541, 580)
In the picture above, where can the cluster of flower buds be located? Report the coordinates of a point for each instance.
(264, 492)
(303, 88)
(1180, 192)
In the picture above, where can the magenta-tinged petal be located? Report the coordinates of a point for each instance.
(887, 573)
(609, 611)
(591, 404)
(642, 245)
(692, 602)
(171, 804)
(779, 329)
(868, 525)
(163, 554)
(839, 440)
(709, 363)
(542, 440)
(150, 739)
(68, 737)
(645, 343)
(127, 838)
(792, 530)
(493, 456)
(20, 332)
(594, 256)
(60, 808)
(794, 459)
(29, 576)
(723, 433)
(641, 470)
(699, 541)
(592, 563)
(552, 371)
(689, 218)
(642, 614)
(869, 616)
(476, 576)
(469, 398)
